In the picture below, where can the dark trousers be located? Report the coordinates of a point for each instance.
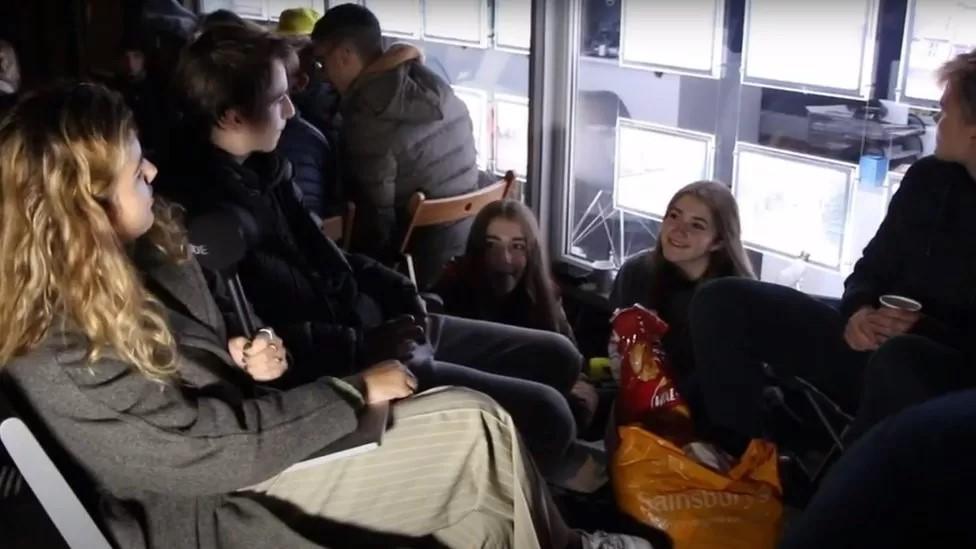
(908, 370)
(908, 483)
(528, 372)
(739, 324)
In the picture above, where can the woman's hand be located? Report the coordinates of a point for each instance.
(264, 358)
(388, 380)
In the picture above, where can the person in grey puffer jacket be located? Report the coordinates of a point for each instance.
(403, 131)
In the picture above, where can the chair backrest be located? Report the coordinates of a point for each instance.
(448, 210)
(512, 189)
(48, 484)
(339, 227)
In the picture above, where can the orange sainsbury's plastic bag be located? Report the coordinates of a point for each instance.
(657, 484)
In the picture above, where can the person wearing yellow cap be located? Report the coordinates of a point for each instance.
(297, 22)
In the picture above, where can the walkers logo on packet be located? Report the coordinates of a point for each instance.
(647, 393)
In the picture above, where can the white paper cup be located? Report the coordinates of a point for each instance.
(901, 303)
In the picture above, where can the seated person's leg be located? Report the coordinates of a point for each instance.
(905, 371)
(451, 466)
(907, 483)
(738, 324)
(545, 357)
(541, 414)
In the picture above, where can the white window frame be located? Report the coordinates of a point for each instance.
(413, 33)
(515, 100)
(498, 34)
(708, 140)
(482, 137)
(862, 90)
(901, 94)
(718, 46)
(893, 184)
(851, 171)
(484, 26)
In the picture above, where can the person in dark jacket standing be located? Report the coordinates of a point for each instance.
(403, 131)
(339, 312)
(870, 358)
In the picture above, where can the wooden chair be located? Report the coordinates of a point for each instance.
(339, 228)
(512, 190)
(427, 212)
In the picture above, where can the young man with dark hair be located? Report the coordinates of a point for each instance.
(403, 131)
(339, 313)
(872, 358)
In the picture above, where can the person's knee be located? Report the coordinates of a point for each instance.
(898, 357)
(550, 428)
(719, 298)
(453, 399)
(561, 359)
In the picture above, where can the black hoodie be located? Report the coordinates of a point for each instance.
(319, 299)
(925, 249)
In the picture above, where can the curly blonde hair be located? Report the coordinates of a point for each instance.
(61, 153)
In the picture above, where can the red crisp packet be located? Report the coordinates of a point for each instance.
(647, 394)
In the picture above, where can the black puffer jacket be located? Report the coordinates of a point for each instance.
(926, 250)
(405, 131)
(314, 166)
(318, 298)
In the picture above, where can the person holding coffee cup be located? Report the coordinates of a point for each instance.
(870, 356)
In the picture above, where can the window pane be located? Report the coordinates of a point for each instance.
(676, 34)
(801, 118)
(456, 21)
(477, 103)
(937, 31)
(654, 162)
(397, 17)
(793, 204)
(511, 133)
(494, 84)
(513, 24)
(826, 45)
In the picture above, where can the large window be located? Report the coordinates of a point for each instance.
(822, 47)
(935, 31)
(791, 104)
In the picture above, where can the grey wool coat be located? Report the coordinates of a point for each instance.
(405, 131)
(164, 461)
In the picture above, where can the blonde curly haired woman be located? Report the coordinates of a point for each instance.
(113, 343)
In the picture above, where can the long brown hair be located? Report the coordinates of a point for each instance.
(728, 260)
(537, 279)
(61, 153)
